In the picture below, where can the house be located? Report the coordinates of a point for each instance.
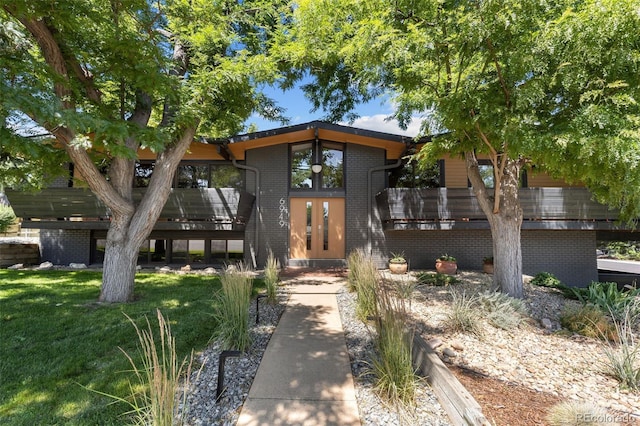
(313, 192)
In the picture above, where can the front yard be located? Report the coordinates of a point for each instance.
(57, 344)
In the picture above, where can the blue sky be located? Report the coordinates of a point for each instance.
(298, 109)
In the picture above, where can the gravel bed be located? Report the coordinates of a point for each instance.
(239, 372)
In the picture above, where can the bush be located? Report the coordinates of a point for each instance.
(7, 218)
(363, 275)
(464, 315)
(575, 413)
(546, 279)
(502, 311)
(393, 367)
(623, 359)
(153, 398)
(271, 278)
(436, 279)
(589, 321)
(606, 297)
(233, 315)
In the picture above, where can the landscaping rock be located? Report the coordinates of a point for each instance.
(16, 266)
(77, 266)
(45, 266)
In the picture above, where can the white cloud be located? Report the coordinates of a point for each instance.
(379, 123)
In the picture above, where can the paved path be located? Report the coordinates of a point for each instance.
(305, 374)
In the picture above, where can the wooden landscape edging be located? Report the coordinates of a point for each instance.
(458, 403)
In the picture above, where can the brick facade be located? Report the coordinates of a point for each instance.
(64, 246)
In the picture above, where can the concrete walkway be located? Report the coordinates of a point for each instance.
(305, 377)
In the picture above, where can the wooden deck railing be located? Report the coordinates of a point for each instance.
(406, 206)
(222, 205)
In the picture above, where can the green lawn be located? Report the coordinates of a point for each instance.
(56, 341)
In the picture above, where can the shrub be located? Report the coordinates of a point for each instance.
(575, 413)
(607, 297)
(435, 279)
(7, 218)
(464, 315)
(271, 270)
(588, 321)
(546, 279)
(233, 313)
(395, 376)
(354, 261)
(502, 310)
(623, 359)
(364, 276)
(153, 398)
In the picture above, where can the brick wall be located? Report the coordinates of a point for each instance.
(569, 255)
(359, 160)
(64, 246)
(273, 228)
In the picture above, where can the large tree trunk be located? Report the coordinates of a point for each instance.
(502, 207)
(119, 266)
(128, 232)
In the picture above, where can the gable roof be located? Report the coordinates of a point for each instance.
(394, 145)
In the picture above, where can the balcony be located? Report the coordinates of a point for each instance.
(453, 208)
(210, 209)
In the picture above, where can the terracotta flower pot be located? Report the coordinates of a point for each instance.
(398, 268)
(448, 267)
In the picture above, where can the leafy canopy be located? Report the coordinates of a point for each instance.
(553, 83)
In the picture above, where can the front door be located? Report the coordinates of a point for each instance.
(317, 228)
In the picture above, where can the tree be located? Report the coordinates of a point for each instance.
(105, 78)
(493, 76)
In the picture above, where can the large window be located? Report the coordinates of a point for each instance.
(317, 165)
(195, 175)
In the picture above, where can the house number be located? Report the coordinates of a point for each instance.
(284, 213)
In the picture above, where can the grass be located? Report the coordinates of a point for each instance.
(396, 380)
(364, 274)
(623, 358)
(271, 278)
(56, 341)
(464, 316)
(233, 312)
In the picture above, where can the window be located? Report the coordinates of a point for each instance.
(301, 175)
(328, 156)
(194, 175)
(415, 175)
(486, 173)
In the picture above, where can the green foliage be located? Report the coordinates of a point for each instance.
(623, 358)
(397, 258)
(624, 250)
(436, 279)
(158, 375)
(609, 299)
(271, 278)
(233, 315)
(546, 279)
(396, 379)
(447, 258)
(501, 310)
(464, 316)
(57, 342)
(363, 278)
(7, 218)
(588, 321)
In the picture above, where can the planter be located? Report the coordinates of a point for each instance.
(487, 268)
(398, 268)
(448, 267)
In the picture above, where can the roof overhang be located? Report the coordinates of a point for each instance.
(393, 145)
